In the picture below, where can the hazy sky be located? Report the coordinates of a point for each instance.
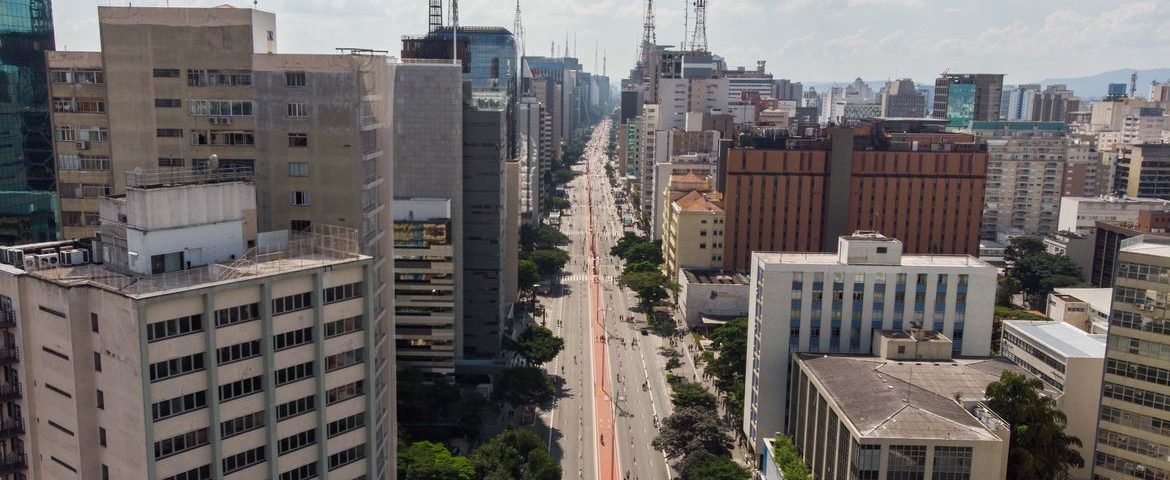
(809, 40)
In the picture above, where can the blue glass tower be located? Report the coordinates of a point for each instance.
(28, 202)
(494, 61)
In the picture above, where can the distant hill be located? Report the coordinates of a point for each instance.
(1097, 85)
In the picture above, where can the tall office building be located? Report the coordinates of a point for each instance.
(529, 152)
(28, 205)
(1134, 393)
(901, 99)
(185, 354)
(904, 178)
(1144, 171)
(960, 98)
(834, 302)
(1025, 168)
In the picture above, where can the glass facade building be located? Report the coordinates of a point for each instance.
(493, 56)
(28, 202)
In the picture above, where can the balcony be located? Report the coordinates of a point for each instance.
(12, 462)
(9, 354)
(11, 427)
(9, 391)
(7, 319)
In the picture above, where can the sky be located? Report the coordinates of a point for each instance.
(805, 40)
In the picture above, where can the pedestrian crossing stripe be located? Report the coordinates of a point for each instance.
(580, 277)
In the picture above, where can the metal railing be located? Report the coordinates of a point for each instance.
(10, 391)
(9, 354)
(12, 461)
(7, 318)
(11, 426)
(188, 176)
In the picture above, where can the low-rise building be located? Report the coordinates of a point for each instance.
(1077, 247)
(1080, 214)
(1084, 308)
(1109, 236)
(909, 411)
(1070, 362)
(708, 298)
(693, 232)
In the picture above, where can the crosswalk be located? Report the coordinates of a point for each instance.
(581, 277)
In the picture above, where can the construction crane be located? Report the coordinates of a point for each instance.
(699, 40)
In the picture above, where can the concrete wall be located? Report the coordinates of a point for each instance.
(711, 299)
(484, 222)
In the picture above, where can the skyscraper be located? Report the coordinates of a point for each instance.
(960, 98)
(28, 204)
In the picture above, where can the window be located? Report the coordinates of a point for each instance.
(343, 326)
(342, 292)
(168, 103)
(105, 472)
(171, 162)
(242, 424)
(179, 444)
(344, 392)
(296, 441)
(93, 322)
(296, 407)
(243, 460)
(303, 472)
(906, 462)
(176, 367)
(174, 327)
(298, 140)
(882, 249)
(60, 76)
(299, 199)
(241, 388)
(237, 314)
(101, 400)
(347, 456)
(166, 73)
(297, 110)
(66, 134)
(952, 463)
(169, 133)
(344, 359)
(298, 169)
(294, 373)
(220, 108)
(292, 339)
(201, 473)
(294, 79)
(178, 405)
(237, 352)
(202, 78)
(300, 225)
(347, 424)
(101, 436)
(292, 303)
(97, 361)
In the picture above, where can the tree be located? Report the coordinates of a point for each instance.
(544, 236)
(1021, 247)
(649, 286)
(538, 345)
(432, 461)
(549, 261)
(692, 429)
(689, 394)
(730, 340)
(673, 363)
(523, 386)
(791, 465)
(515, 455)
(1039, 449)
(641, 267)
(702, 465)
(529, 275)
(436, 409)
(1041, 273)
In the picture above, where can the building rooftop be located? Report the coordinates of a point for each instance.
(907, 260)
(1116, 199)
(697, 202)
(1062, 338)
(909, 399)
(1100, 299)
(716, 277)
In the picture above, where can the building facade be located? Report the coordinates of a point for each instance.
(1025, 169)
(834, 302)
(693, 233)
(1081, 214)
(960, 98)
(901, 99)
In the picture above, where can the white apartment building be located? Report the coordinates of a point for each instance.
(825, 302)
(1081, 214)
(646, 145)
(1145, 125)
(529, 149)
(679, 96)
(1069, 361)
(1025, 168)
(182, 355)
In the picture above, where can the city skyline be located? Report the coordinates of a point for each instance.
(918, 39)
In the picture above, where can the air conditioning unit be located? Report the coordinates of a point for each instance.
(225, 120)
(74, 257)
(48, 260)
(30, 262)
(83, 145)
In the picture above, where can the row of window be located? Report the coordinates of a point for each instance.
(199, 473)
(178, 405)
(294, 373)
(98, 163)
(237, 352)
(347, 456)
(297, 441)
(242, 424)
(79, 105)
(67, 133)
(296, 407)
(1145, 373)
(303, 472)
(1137, 396)
(194, 401)
(181, 443)
(241, 388)
(243, 460)
(80, 76)
(174, 327)
(344, 359)
(342, 292)
(1135, 420)
(1035, 352)
(176, 366)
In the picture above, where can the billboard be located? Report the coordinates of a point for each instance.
(960, 105)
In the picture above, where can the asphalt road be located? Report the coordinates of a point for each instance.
(635, 385)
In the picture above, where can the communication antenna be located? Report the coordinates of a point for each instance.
(455, 31)
(686, 24)
(435, 16)
(699, 40)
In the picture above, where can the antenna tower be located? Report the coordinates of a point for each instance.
(648, 38)
(699, 40)
(435, 18)
(1133, 85)
(518, 30)
(686, 24)
(455, 31)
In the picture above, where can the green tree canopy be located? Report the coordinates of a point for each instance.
(649, 286)
(432, 461)
(529, 275)
(549, 261)
(730, 340)
(515, 455)
(522, 386)
(790, 463)
(544, 236)
(538, 345)
(1039, 449)
(690, 394)
(692, 429)
(702, 465)
(1022, 247)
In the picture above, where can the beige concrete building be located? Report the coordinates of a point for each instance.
(1084, 308)
(910, 411)
(425, 291)
(1069, 361)
(693, 233)
(1132, 440)
(183, 354)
